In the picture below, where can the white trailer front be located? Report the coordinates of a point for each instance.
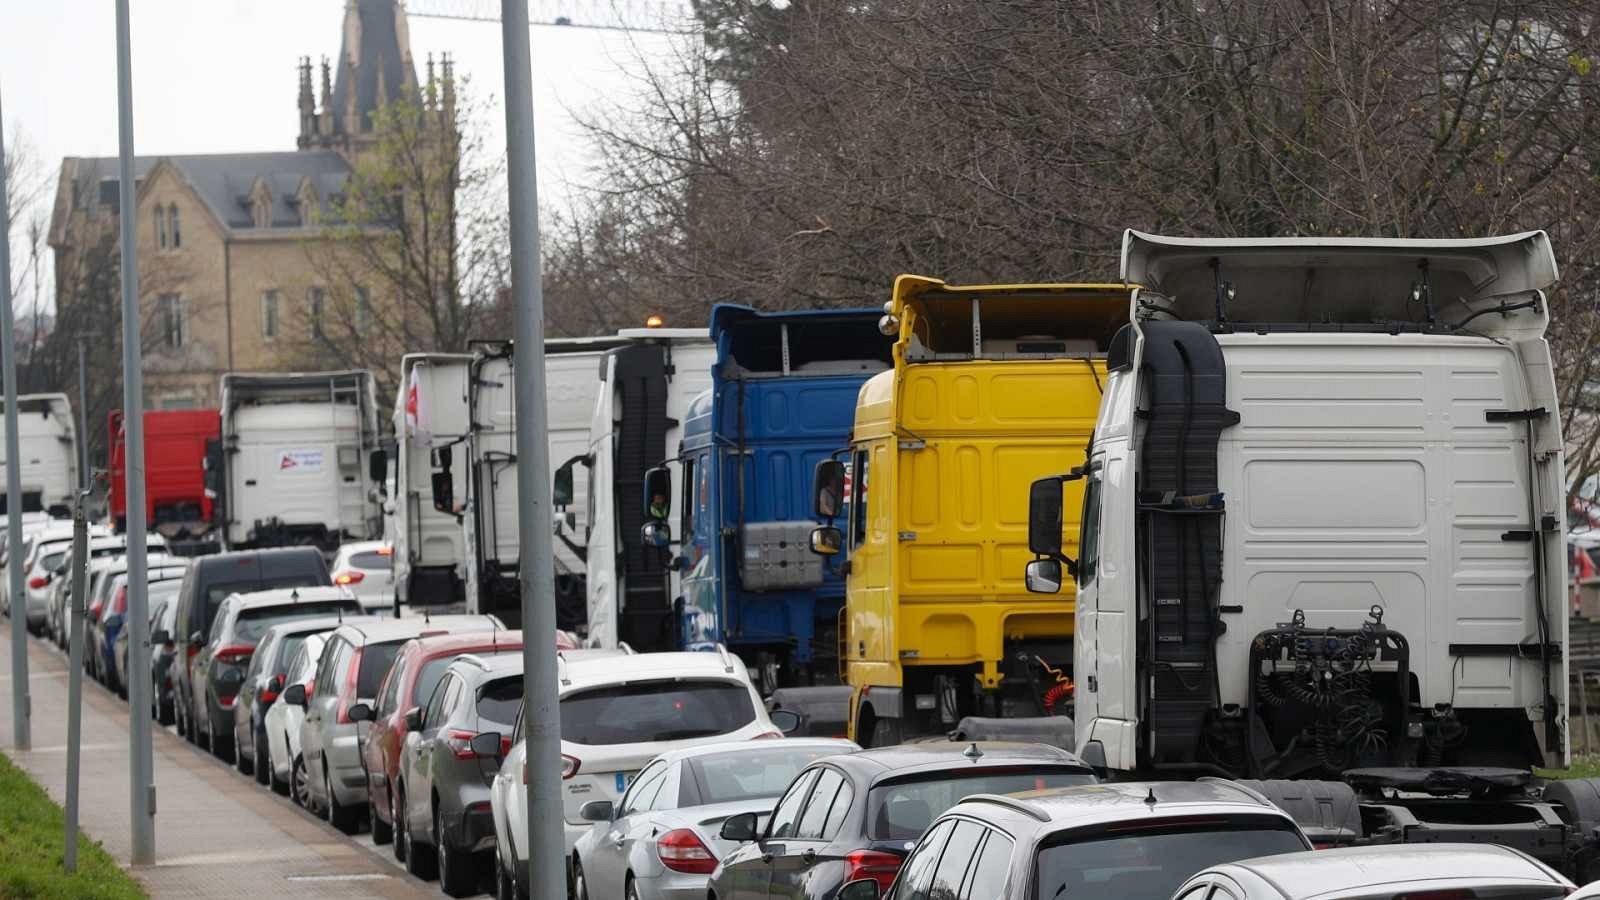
(47, 438)
(292, 466)
(430, 423)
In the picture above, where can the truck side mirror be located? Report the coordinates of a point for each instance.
(658, 493)
(827, 487)
(1043, 576)
(561, 486)
(1044, 513)
(378, 467)
(444, 490)
(826, 540)
(656, 534)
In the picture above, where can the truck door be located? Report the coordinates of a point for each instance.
(1086, 656)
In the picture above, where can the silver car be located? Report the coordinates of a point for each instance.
(662, 838)
(1382, 873)
(352, 667)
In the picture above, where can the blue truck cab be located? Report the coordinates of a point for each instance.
(783, 397)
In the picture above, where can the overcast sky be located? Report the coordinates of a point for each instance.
(213, 76)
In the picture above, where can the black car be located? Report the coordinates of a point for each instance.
(211, 579)
(446, 769)
(856, 816)
(158, 598)
(162, 654)
(263, 681)
(217, 672)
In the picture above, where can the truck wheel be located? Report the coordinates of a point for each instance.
(1578, 801)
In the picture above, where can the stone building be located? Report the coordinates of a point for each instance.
(226, 240)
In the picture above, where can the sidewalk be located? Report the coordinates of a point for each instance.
(217, 834)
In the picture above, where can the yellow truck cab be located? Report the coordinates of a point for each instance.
(930, 504)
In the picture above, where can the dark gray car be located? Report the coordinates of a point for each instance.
(442, 798)
(263, 682)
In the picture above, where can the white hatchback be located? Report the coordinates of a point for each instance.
(619, 710)
(366, 569)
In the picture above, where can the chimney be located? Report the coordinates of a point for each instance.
(308, 111)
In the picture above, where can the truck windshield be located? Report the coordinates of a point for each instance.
(1147, 863)
(903, 810)
(655, 711)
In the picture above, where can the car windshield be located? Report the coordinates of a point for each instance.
(253, 623)
(375, 662)
(1153, 863)
(655, 711)
(903, 810)
(499, 701)
(752, 774)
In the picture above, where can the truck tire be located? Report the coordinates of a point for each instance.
(1578, 801)
(1327, 811)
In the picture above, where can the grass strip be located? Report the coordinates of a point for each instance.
(32, 827)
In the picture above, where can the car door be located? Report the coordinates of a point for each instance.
(336, 657)
(746, 873)
(425, 745)
(608, 865)
(202, 670)
(916, 876)
(794, 863)
(990, 873)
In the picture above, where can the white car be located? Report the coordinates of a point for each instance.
(366, 568)
(283, 721)
(1385, 872)
(618, 711)
(46, 551)
(1590, 891)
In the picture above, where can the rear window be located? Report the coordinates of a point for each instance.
(752, 774)
(1153, 863)
(655, 711)
(371, 560)
(433, 670)
(219, 591)
(499, 701)
(253, 623)
(375, 662)
(903, 810)
(52, 561)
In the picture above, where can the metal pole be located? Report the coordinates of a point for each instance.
(83, 414)
(80, 566)
(141, 785)
(544, 840)
(21, 714)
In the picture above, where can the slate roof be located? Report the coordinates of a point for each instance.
(379, 49)
(224, 181)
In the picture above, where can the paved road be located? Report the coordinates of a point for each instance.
(217, 834)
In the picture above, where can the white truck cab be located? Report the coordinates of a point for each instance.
(430, 428)
(47, 438)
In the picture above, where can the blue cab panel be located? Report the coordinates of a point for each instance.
(783, 398)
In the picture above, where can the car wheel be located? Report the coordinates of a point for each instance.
(631, 892)
(504, 887)
(580, 882)
(165, 714)
(418, 862)
(262, 765)
(244, 762)
(298, 789)
(339, 816)
(382, 832)
(278, 785)
(397, 813)
(220, 739)
(455, 872)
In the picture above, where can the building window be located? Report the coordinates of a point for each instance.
(261, 210)
(269, 315)
(170, 319)
(363, 310)
(177, 234)
(314, 303)
(161, 228)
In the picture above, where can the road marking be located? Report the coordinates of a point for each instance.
(62, 748)
(362, 876)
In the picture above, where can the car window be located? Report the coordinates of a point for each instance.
(988, 878)
(644, 789)
(655, 711)
(375, 662)
(1089, 538)
(288, 646)
(257, 662)
(498, 702)
(50, 561)
(434, 716)
(217, 592)
(821, 803)
(1222, 893)
(751, 774)
(332, 663)
(218, 625)
(671, 788)
(1198, 892)
(372, 560)
(950, 873)
(387, 693)
(917, 874)
(841, 807)
(1153, 863)
(786, 814)
(901, 810)
(253, 623)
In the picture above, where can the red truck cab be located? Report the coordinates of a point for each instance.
(174, 461)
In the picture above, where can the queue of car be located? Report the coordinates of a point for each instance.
(679, 782)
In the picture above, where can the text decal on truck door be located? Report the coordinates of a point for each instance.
(299, 461)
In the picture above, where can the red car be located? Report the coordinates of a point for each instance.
(416, 670)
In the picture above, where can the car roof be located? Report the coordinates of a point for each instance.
(291, 596)
(460, 642)
(489, 666)
(383, 630)
(698, 751)
(315, 624)
(1088, 805)
(579, 672)
(1323, 872)
(355, 547)
(217, 560)
(936, 756)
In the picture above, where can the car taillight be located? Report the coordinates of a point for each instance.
(875, 864)
(347, 693)
(385, 551)
(569, 765)
(351, 577)
(38, 581)
(681, 851)
(460, 743)
(237, 655)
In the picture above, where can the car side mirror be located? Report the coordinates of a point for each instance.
(826, 540)
(656, 534)
(160, 637)
(414, 719)
(827, 488)
(378, 467)
(295, 695)
(360, 712)
(1043, 576)
(787, 720)
(860, 889)
(596, 811)
(741, 828)
(197, 638)
(658, 493)
(487, 744)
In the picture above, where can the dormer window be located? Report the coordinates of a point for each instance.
(176, 236)
(161, 227)
(305, 201)
(261, 205)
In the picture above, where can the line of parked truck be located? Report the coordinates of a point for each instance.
(1281, 509)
